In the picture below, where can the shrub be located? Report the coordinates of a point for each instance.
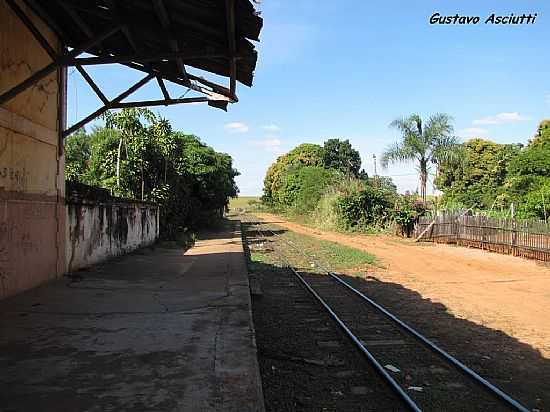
(325, 215)
(303, 155)
(302, 188)
(408, 208)
(361, 207)
(535, 204)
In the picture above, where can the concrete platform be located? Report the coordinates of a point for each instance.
(157, 330)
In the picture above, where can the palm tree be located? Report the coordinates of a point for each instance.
(433, 142)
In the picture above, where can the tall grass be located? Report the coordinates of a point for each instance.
(325, 216)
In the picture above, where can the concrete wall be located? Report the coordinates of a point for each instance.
(98, 229)
(32, 210)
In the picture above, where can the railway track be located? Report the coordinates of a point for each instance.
(421, 374)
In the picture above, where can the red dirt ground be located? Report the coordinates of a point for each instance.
(500, 292)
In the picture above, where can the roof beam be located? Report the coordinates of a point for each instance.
(76, 18)
(130, 38)
(39, 11)
(187, 55)
(92, 84)
(110, 105)
(216, 92)
(162, 14)
(230, 20)
(32, 28)
(216, 88)
(167, 102)
(163, 88)
(60, 61)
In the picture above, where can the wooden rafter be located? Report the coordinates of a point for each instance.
(41, 12)
(54, 65)
(76, 18)
(165, 102)
(193, 24)
(194, 36)
(224, 92)
(230, 20)
(32, 28)
(130, 38)
(141, 58)
(163, 88)
(92, 84)
(112, 104)
(162, 15)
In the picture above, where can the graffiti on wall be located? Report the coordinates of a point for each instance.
(15, 176)
(12, 177)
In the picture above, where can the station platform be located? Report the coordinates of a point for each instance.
(156, 330)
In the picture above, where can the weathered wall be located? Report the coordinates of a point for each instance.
(32, 211)
(99, 228)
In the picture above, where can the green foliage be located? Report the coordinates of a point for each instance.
(77, 154)
(529, 176)
(535, 202)
(334, 255)
(325, 215)
(542, 137)
(476, 181)
(360, 206)
(335, 155)
(326, 186)
(382, 182)
(302, 188)
(425, 143)
(496, 176)
(138, 155)
(408, 208)
(340, 155)
(306, 154)
(534, 160)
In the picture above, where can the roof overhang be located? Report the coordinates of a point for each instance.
(165, 39)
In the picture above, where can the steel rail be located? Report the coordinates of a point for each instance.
(370, 357)
(494, 390)
(449, 358)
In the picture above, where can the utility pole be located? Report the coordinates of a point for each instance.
(376, 181)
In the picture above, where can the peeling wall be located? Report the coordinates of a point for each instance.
(32, 209)
(101, 229)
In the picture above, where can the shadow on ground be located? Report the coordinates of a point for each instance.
(157, 330)
(513, 366)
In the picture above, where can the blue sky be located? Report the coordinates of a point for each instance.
(348, 68)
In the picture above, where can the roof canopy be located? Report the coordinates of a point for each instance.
(163, 38)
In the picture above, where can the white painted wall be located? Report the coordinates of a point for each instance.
(98, 231)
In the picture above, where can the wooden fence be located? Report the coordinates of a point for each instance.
(530, 239)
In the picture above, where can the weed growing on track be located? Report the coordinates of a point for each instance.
(331, 254)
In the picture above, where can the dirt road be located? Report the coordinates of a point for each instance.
(499, 292)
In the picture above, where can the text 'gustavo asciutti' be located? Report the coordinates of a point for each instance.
(511, 19)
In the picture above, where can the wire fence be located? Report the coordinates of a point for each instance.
(526, 238)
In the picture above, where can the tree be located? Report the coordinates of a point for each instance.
(306, 154)
(340, 155)
(77, 154)
(303, 187)
(478, 179)
(133, 134)
(543, 134)
(360, 206)
(424, 144)
(528, 181)
(139, 156)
